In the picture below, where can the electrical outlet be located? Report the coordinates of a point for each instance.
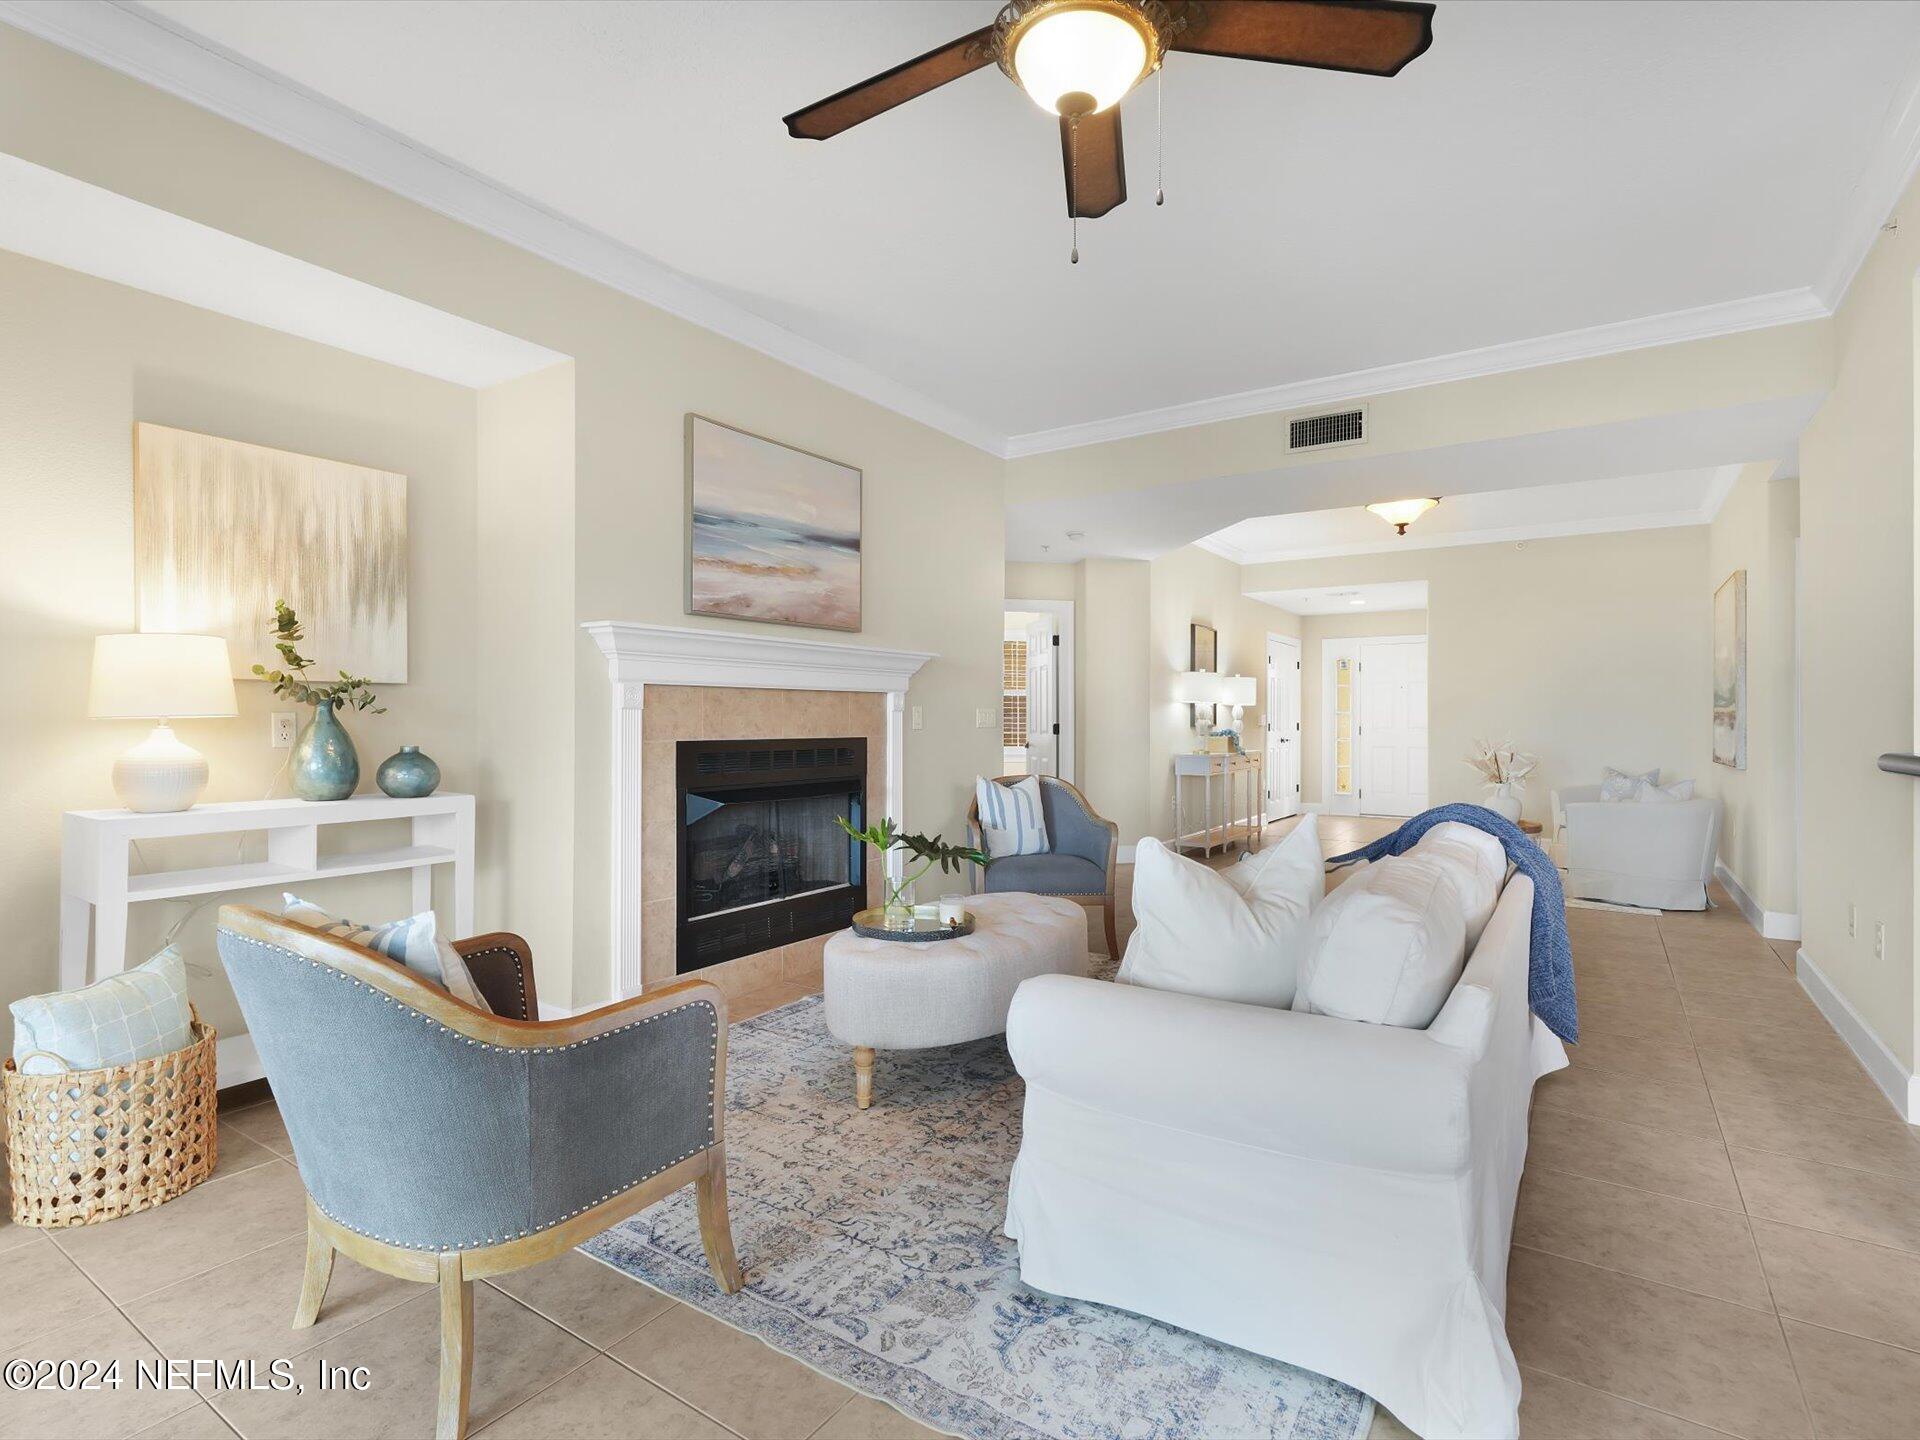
(983, 719)
(280, 733)
(916, 717)
(1853, 921)
(1879, 939)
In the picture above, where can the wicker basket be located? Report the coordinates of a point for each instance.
(91, 1145)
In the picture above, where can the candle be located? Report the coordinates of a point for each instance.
(953, 909)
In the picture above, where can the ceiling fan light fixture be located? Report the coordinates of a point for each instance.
(1077, 57)
(1402, 513)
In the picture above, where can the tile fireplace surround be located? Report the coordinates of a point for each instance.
(673, 683)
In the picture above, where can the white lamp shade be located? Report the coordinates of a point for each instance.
(1237, 690)
(1196, 687)
(161, 677)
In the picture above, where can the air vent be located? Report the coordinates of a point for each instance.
(1316, 432)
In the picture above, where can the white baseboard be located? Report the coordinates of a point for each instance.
(556, 1012)
(1313, 807)
(236, 1062)
(1898, 1083)
(1126, 855)
(1772, 924)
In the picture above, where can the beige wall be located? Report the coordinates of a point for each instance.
(1315, 629)
(80, 361)
(1588, 651)
(1187, 586)
(934, 512)
(1115, 595)
(1755, 532)
(1857, 609)
(524, 569)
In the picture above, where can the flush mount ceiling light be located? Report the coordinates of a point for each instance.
(1402, 513)
(1078, 59)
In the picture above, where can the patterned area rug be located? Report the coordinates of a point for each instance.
(873, 1253)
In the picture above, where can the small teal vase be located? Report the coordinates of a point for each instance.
(407, 774)
(325, 764)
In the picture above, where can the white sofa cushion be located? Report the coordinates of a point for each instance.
(1477, 865)
(1387, 946)
(1234, 934)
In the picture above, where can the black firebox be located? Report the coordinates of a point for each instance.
(762, 862)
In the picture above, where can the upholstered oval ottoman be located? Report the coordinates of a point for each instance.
(890, 995)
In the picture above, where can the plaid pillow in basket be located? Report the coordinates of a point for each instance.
(117, 1020)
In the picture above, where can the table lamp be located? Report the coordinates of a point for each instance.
(160, 678)
(1239, 692)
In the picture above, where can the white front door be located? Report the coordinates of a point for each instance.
(1282, 721)
(1393, 726)
(1043, 698)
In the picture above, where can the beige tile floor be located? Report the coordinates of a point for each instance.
(1718, 1234)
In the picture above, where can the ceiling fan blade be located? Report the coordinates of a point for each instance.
(1097, 174)
(1367, 37)
(826, 118)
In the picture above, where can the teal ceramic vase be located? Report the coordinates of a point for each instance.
(325, 764)
(407, 774)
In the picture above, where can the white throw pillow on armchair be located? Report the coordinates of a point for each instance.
(1233, 934)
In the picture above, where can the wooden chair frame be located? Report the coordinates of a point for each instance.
(454, 1271)
(1103, 903)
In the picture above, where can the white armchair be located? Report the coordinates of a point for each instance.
(1659, 855)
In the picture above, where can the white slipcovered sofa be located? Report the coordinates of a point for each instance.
(1334, 1194)
(1629, 852)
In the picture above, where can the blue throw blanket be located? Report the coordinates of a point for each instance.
(1550, 956)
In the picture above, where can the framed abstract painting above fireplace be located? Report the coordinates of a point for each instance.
(773, 533)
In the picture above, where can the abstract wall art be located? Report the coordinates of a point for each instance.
(222, 529)
(773, 532)
(1730, 672)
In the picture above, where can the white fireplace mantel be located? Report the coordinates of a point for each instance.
(642, 655)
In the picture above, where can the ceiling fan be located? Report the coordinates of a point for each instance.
(1078, 59)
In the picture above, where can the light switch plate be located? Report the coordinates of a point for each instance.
(916, 717)
(280, 733)
(983, 719)
(1879, 939)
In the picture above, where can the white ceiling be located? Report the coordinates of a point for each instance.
(1544, 169)
(1347, 599)
(1586, 507)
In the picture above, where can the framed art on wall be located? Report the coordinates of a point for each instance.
(1730, 672)
(773, 533)
(222, 529)
(1203, 653)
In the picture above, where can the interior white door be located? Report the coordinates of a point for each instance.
(1282, 713)
(1043, 698)
(1392, 720)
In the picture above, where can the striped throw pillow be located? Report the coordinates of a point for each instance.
(1011, 818)
(414, 942)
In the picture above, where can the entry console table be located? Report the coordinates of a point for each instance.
(1242, 776)
(99, 882)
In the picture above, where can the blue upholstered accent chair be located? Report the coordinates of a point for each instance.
(1078, 866)
(443, 1143)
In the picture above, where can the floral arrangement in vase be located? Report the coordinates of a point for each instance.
(884, 838)
(1505, 770)
(325, 764)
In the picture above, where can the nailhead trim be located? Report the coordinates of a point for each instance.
(713, 1039)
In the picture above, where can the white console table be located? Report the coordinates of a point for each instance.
(98, 883)
(1234, 772)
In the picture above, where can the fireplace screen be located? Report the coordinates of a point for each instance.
(750, 851)
(762, 861)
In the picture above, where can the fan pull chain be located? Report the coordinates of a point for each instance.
(1073, 160)
(1159, 135)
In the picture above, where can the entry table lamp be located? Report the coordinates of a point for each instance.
(1239, 692)
(161, 678)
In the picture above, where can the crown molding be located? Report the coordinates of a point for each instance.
(1889, 171)
(154, 52)
(1785, 307)
(151, 50)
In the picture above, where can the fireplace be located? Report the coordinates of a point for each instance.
(762, 862)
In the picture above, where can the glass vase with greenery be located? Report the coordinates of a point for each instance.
(324, 764)
(885, 839)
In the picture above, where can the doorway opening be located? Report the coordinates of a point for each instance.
(1037, 689)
